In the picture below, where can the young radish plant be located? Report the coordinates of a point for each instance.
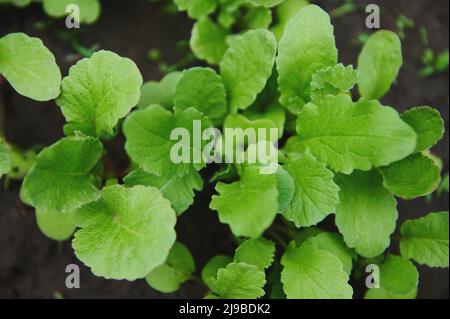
(344, 156)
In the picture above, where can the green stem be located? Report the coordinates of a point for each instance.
(343, 10)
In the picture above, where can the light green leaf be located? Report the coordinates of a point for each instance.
(307, 46)
(235, 143)
(265, 3)
(250, 205)
(208, 41)
(203, 89)
(379, 63)
(275, 113)
(234, 121)
(304, 234)
(148, 133)
(333, 80)
(312, 273)
(98, 92)
(247, 65)
(5, 159)
(55, 225)
(239, 281)
(286, 189)
(61, 179)
(284, 12)
(89, 10)
(257, 17)
(383, 294)
(178, 190)
(415, 176)
(127, 234)
(161, 93)
(428, 124)
(367, 213)
(258, 252)
(209, 272)
(425, 240)
(348, 136)
(21, 162)
(176, 270)
(29, 67)
(197, 9)
(334, 244)
(398, 276)
(316, 194)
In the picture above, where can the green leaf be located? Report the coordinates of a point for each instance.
(425, 240)
(415, 176)
(98, 92)
(286, 189)
(197, 9)
(235, 143)
(398, 276)
(161, 93)
(29, 67)
(348, 136)
(209, 272)
(176, 270)
(203, 89)
(61, 179)
(265, 3)
(178, 190)
(428, 124)
(148, 133)
(334, 244)
(127, 234)
(333, 80)
(247, 65)
(208, 41)
(55, 225)
(5, 159)
(250, 205)
(257, 17)
(302, 53)
(304, 234)
(312, 273)
(239, 281)
(258, 252)
(284, 12)
(21, 162)
(379, 63)
(383, 294)
(275, 113)
(367, 213)
(89, 9)
(316, 194)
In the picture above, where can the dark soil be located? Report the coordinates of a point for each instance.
(32, 266)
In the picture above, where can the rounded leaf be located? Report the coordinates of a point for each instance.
(379, 63)
(127, 234)
(60, 179)
(98, 92)
(29, 67)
